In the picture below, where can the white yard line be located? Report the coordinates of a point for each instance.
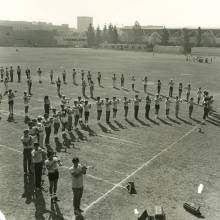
(137, 170)
(119, 139)
(10, 148)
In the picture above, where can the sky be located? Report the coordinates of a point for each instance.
(169, 13)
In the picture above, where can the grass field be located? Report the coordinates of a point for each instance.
(167, 159)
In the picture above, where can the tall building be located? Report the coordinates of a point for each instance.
(83, 23)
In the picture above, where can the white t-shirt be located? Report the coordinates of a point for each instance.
(99, 105)
(52, 165)
(77, 182)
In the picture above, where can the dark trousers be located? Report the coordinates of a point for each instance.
(180, 93)
(77, 195)
(80, 112)
(26, 109)
(86, 114)
(136, 109)
(114, 113)
(99, 114)
(29, 89)
(107, 116)
(187, 96)
(171, 92)
(11, 107)
(76, 120)
(190, 111)
(11, 77)
(158, 89)
(145, 88)
(27, 160)
(56, 127)
(47, 138)
(38, 173)
(206, 112)
(19, 77)
(147, 110)
(126, 111)
(46, 109)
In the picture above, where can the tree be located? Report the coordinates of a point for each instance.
(98, 36)
(110, 34)
(208, 38)
(105, 34)
(198, 37)
(138, 33)
(154, 39)
(91, 36)
(115, 35)
(165, 37)
(185, 40)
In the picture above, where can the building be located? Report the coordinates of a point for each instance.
(71, 39)
(6, 36)
(83, 23)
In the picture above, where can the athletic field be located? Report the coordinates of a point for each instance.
(166, 158)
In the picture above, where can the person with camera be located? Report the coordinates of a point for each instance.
(77, 171)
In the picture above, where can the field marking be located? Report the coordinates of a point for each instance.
(120, 139)
(137, 170)
(10, 148)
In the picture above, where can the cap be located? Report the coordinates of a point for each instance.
(36, 144)
(26, 131)
(75, 160)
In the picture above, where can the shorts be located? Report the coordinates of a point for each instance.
(53, 176)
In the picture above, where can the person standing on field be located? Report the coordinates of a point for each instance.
(53, 174)
(114, 81)
(122, 81)
(19, 74)
(188, 88)
(147, 107)
(38, 157)
(77, 171)
(99, 78)
(11, 71)
(39, 71)
(199, 95)
(27, 142)
(171, 84)
(51, 77)
(74, 76)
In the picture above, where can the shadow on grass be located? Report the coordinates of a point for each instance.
(28, 189)
(142, 122)
(216, 115)
(40, 206)
(136, 91)
(103, 128)
(164, 122)
(55, 213)
(112, 127)
(91, 132)
(196, 120)
(81, 136)
(131, 123)
(73, 137)
(153, 121)
(116, 88)
(75, 84)
(93, 98)
(174, 121)
(183, 120)
(126, 90)
(214, 123)
(119, 124)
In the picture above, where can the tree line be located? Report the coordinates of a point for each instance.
(184, 37)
